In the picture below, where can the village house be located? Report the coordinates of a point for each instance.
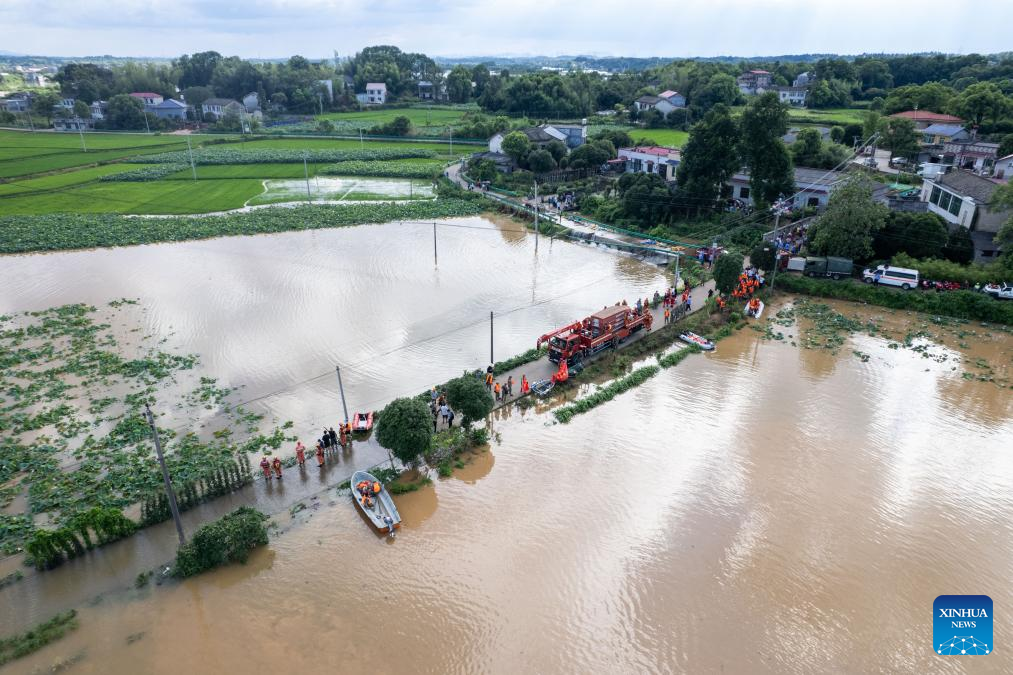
(654, 159)
(803, 79)
(570, 135)
(754, 82)
(973, 155)
(216, 108)
(170, 109)
(73, 124)
(66, 104)
(503, 163)
(673, 97)
(647, 102)
(812, 187)
(17, 103)
(430, 92)
(925, 118)
(35, 79)
(376, 94)
(961, 199)
(939, 133)
(537, 136)
(98, 109)
(1004, 168)
(147, 97)
(791, 95)
(328, 86)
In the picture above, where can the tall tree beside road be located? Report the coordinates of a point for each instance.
(517, 145)
(710, 157)
(764, 122)
(848, 225)
(898, 134)
(405, 428)
(468, 395)
(42, 104)
(459, 84)
(124, 112)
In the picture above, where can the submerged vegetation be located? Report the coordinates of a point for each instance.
(23, 234)
(226, 540)
(16, 646)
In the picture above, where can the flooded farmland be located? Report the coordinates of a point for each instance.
(789, 503)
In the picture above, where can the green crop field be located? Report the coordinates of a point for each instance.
(420, 116)
(829, 117)
(289, 143)
(672, 138)
(59, 181)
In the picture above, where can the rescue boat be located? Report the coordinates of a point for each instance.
(698, 340)
(378, 506)
(759, 310)
(362, 422)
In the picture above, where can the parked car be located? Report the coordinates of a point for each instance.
(892, 276)
(871, 162)
(999, 291)
(899, 161)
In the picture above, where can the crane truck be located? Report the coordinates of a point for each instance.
(601, 330)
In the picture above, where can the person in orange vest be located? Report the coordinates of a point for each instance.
(343, 437)
(525, 387)
(300, 454)
(320, 455)
(265, 466)
(667, 315)
(488, 381)
(497, 390)
(277, 467)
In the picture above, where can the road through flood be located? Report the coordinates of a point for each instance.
(768, 508)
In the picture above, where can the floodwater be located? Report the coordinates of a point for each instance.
(762, 509)
(331, 188)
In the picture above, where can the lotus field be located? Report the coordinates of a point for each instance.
(392, 169)
(220, 155)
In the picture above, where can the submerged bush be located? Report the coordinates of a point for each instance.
(226, 540)
(16, 646)
(606, 393)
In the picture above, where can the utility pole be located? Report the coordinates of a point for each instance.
(536, 217)
(306, 171)
(435, 260)
(145, 113)
(778, 208)
(491, 359)
(676, 285)
(30, 124)
(165, 475)
(84, 147)
(451, 142)
(341, 388)
(362, 144)
(189, 150)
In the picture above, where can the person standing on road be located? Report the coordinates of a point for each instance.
(497, 390)
(450, 419)
(265, 466)
(334, 437)
(510, 386)
(277, 467)
(488, 380)
(445, 412)
(525, 387)
(300, 454)
(320, 454)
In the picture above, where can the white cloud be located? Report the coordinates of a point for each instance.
(270, 28)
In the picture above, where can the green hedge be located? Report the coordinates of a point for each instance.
(16, 646)
(226, 540)
(53, 232)
(527, 357)
(676, 357)
(958, 304)
(946, 270)
(606, 393)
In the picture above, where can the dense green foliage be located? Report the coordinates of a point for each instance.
(469, 396)
(49, 548)
(390, 169)
(22, 234)
(959, 246)
(223, 155)
(226, 540)
(810, 150)
(958, 304)
(921, 235)
(946, 270)
(710, 157)
(771, 174)
(727, 269)
(519, 360)
(606, 393)
(148, 173)
(405, 428)
(16, 646)
(849, 223)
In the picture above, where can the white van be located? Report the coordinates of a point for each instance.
(892, 276)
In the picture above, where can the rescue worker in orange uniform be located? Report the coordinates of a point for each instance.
(525, 387)
(320, 455)
(277, 467)
(265, 466)
(300, 453)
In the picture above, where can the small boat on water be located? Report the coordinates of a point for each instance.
(363, 422)
(698, 340)
(759, 310)
(374, 500)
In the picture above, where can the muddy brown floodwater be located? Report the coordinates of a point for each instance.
(763, 509)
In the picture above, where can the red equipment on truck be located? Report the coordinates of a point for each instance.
(599, 331)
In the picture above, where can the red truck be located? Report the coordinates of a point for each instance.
(601, 330)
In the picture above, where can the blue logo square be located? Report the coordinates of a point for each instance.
(962, 625)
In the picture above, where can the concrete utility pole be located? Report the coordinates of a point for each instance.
(778, 210)
(536, 216)
(676, 284)
(145, 113)
(84, 148)
(306, 172)
(435, 259)
(189, 149)
(341, 388)
(362, 144)
(165, 475)
(491, 359)
(451, 142)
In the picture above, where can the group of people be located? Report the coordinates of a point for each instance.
(705, 256)
(676, 305)
(750, 281)
(501, 391)
(791, 240)
(439, 407)
(330, 440)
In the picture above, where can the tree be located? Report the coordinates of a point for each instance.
(405, 428)
(852, 132)
(726, 271)
(931, 96)
(82, 109)
(836, 134)
(959, 246)
(557, 149)
(480, 76)
(847, 226)
(517, 146)
(591, 155)
(619, 138)
(720, 88)
(459, 84)
(124, 112)
(762, 256)
(42, 104)
(1002, 198)
(920, 235)
(197, 70)
(399, 126)
(898, 134)
(981, 100)
(482, 170)
(710, 157)
(469, 396)
(541, 161)
(325, 126)
(1005, 146)
(807, 147)
(829, 94)
(764, 122)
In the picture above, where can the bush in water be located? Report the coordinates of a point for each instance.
(606, 393)
(226, 540)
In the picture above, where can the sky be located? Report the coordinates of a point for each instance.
(318, 28)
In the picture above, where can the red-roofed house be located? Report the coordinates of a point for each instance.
(673, 97)
(651, 159)
(754, 82)
(925, 118)
(148, 97)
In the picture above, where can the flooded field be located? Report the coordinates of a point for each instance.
(791, 503)
(340, 189)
